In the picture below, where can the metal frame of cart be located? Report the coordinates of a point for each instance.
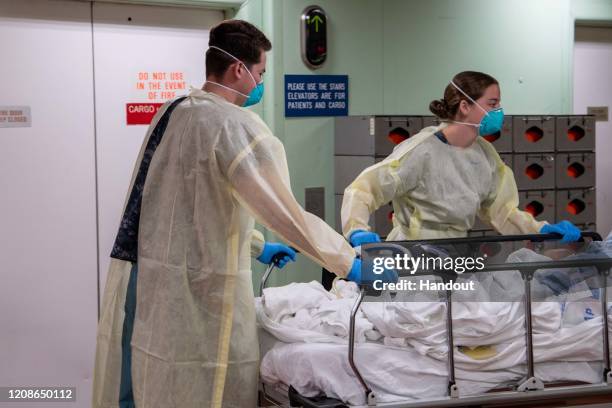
(529, 388)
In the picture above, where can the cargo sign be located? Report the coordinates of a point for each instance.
(316, 95)
(141, 113)
(154, 87)
(15, 116)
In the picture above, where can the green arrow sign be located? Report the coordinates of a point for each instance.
(317, 20)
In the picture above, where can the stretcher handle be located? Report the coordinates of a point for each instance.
(501, 238)
(586, 234)
(269, 269)
(276, 258)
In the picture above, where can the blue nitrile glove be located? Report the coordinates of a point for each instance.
(360, 237)
(272, 249)
(570, 232)
(355, 274)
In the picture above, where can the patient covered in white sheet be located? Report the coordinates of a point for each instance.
(402, 345)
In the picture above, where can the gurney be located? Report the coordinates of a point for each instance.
(530, 388)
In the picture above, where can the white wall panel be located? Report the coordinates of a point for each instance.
(593, 87)
(48, 295)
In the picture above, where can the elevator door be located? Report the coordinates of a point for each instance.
(48, 294)
(143, 56)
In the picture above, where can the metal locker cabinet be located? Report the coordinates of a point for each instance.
(541, 204)
(575, 170)
(533, 134)
(391, 130)
(354, 135)
(577, 206)
(534, 171)
(575, 133)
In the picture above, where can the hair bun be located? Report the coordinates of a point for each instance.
(439, 107)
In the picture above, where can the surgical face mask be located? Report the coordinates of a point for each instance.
(256, 93)
(491, 122)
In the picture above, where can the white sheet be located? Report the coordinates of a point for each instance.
(422, 325)
(404, 373)
(393, 374)
(402, 346)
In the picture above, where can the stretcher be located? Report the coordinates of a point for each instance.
(530, 389)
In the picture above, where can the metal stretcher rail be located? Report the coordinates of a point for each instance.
(528, 389)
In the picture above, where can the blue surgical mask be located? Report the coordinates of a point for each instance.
(492, 122)
(256, 93)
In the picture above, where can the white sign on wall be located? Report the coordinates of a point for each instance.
(600, 112)
(15, 116)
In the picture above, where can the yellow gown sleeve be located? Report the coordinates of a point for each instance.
(257, 171)
(257, 243)
(379, 184)
(374, 187)
(501, 209)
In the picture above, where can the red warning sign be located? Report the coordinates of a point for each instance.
(141, 113)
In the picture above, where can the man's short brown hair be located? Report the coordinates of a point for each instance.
(241, 39)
